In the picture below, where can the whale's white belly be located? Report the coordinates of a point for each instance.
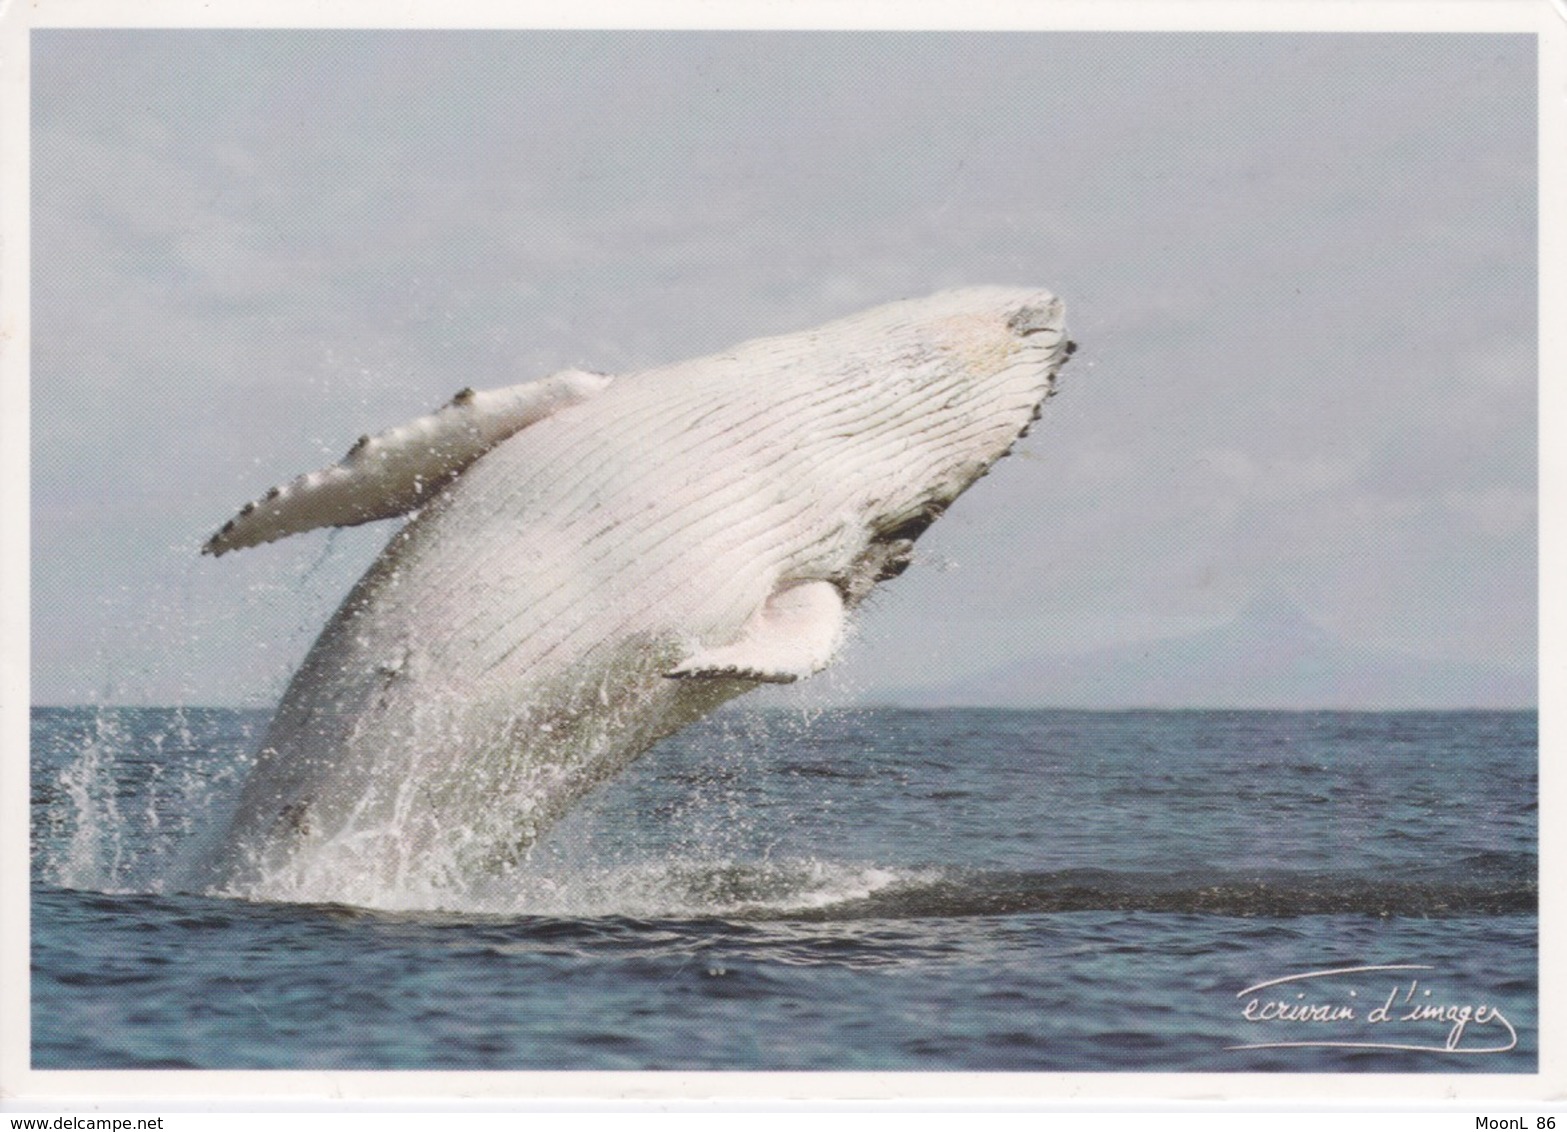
(514, 644)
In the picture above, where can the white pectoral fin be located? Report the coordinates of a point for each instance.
(795, 634)
(404, 467)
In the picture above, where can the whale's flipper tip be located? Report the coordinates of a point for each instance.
(795, 634)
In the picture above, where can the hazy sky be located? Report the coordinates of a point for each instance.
(1301, 270)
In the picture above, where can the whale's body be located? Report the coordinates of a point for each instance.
(640, 550)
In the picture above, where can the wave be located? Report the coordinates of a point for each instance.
(1275, 895)
(817, 891)
(120, 816)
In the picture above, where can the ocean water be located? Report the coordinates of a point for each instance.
(852, 890)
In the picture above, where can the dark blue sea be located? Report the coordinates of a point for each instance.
(849, 890)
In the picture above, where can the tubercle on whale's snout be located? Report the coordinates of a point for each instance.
(1038, 317)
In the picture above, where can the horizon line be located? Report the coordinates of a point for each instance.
(892, 706)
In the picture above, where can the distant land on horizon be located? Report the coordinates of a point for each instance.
(1271, 655)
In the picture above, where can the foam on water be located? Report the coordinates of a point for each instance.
(183, 782)
(688, 889)
(173, 778)
(134, 798)
(703, 878)
(94, 852)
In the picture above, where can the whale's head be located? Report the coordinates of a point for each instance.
(965, 375)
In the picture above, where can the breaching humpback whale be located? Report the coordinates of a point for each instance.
(596, 562)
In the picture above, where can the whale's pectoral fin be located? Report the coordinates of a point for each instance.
(404, 467)
(793, 635)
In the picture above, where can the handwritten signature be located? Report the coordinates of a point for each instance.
(1328, 1009)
